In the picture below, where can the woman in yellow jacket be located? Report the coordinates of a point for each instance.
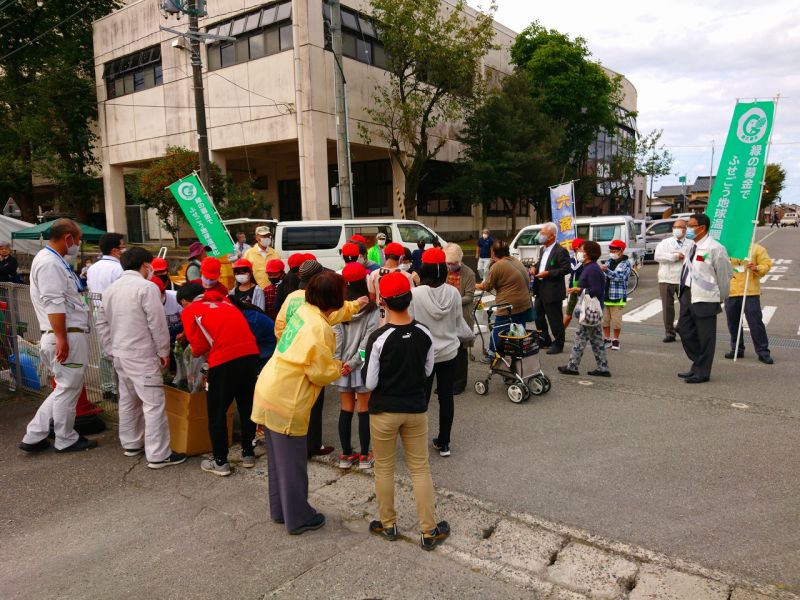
(286, 390)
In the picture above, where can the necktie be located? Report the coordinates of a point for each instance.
(685, 271)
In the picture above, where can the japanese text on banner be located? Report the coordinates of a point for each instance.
(562, 205)
(201, 215)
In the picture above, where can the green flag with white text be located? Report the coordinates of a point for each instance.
(733, 204)
(202, 215)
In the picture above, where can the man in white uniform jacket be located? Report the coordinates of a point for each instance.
(56, 294)
(133, 330)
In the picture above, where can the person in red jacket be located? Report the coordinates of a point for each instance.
(213, 325)
(210, 270)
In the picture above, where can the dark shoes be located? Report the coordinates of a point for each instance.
(668, 339)
(435, 537)
(545, 342)
(767, 359)
(555, 349)
(599, 373)
(730, 355)
(317, 521)
(686, 375)
(565, 370)
(390, 533)
(696, 379)
(175, 458)
(37, 447)
(81, 444)
(322, 451)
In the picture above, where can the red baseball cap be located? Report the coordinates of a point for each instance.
(159, 284)
(577, 243)
(394, 249)
(275, 266)
(394, 284)
(359, 238)
(354, 272)
(159, 264)
(243, 263)
(617, 244)
(434, 256)
(308, 256)
(210, 268)
(295, 260)
(350, 249)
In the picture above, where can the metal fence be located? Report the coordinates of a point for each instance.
(21, 370)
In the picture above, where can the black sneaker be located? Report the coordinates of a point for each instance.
(317, 521)
(444, 449)
(175, 458)
(81, 444)
(435, 537)
(37, 447)
(390, 533)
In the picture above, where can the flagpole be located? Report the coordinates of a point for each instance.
(740, 331)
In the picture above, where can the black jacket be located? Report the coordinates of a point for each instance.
(553, 288)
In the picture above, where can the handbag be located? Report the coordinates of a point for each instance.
(591, 313)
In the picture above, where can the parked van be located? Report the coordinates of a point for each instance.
(602, 230)
(324, 239)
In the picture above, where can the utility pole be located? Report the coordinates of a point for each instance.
(342, 124)
(197, 7)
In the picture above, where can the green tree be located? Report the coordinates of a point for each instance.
(48, 101)
(575, 91)
(509, 150)
(652, 159)
(773, 184)
(149, 186)
(433, 59)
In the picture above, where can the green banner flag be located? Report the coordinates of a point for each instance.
(202, 215)
(733, 204)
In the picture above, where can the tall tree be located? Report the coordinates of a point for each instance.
(433, 61)
(509, 153)
(48, 100)
(575, 91)
(653, 160)
(773, 184)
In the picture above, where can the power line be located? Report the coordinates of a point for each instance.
(41, 35)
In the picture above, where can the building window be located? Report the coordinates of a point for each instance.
(499, 208)
(133, 72)
(360, 39)
(432, 200)
(372, 188)
(265, 31)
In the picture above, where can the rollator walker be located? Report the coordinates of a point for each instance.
(516, 361)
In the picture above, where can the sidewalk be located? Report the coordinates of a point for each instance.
(99, 525)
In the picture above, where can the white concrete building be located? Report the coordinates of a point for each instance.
(269, 106)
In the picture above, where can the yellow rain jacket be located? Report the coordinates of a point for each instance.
(298, 298)
(763, 263)
(260, 262)
(303, 363)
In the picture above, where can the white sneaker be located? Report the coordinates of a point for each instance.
(210, 466)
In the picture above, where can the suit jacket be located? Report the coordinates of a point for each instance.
(553, 288)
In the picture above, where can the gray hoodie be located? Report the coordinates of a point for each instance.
(439, 309)
(352, 336)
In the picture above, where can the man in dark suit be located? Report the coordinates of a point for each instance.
(550, 270)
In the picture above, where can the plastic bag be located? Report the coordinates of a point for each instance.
(517, 330)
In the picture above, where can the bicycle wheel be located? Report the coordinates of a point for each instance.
(633, 281)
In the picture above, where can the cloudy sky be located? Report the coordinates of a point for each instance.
(689, 61)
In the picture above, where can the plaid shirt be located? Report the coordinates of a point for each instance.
(617, 279)
(270, 292)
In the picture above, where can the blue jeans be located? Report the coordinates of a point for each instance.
(502, 325)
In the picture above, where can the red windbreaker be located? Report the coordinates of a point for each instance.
(227, 327)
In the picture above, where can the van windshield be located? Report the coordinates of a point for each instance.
(606, 233)
(411, 233)
(528, 238)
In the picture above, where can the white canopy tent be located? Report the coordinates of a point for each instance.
(8, 225)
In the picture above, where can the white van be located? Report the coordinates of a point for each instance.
(324, 239)
(602, 230)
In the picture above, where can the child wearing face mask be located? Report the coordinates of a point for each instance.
(246, 289)
(576, 263)
(393, 253)
(617, 270)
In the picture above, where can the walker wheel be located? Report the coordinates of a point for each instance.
(537, 385)
(518, 392)
(482, 387)
(547, 383)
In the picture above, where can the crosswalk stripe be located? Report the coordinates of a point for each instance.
(644, 312)
(766, 315)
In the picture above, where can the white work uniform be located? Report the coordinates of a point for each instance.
(56, 289)
(102, 274)
(134, 332)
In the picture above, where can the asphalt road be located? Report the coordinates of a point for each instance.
(709, 473)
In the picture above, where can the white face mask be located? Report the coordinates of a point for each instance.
(208, 283)
(678, 233)
(615, 255)
(580, 256)
(265, 242)
(486, 236)
(404, 267)
(242, 277)
(73, 250)
(381, 243)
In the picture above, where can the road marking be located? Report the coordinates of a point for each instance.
(766, 316)
(766, 236)
(740, 405)
(798, 331)
(644, 312)
(780, 289)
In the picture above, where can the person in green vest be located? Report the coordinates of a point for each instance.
(375, 253)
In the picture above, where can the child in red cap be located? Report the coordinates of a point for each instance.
(399, 359)
(351, 340)
(393, 254)
(275, 274)
(617, 270)
(576, 264)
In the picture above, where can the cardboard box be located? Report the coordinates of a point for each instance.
(187, 415)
